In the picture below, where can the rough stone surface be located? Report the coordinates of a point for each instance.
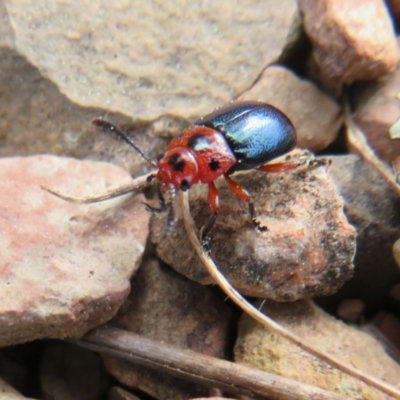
(37, 118)
(377, 108)
(373, 208)
(259, 348)
(330, 86)
(7, 37)
(167, 307)
(65, 267)
(307, 251)
(117, 55)
(316, 117)
(68, 372)
(346, 45)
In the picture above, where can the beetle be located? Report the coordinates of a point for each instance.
(240, 136)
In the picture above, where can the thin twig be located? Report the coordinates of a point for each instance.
(135, 185)
(357, 139)
(236, 297)
(199, 368)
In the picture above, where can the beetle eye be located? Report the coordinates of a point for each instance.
(185, 185)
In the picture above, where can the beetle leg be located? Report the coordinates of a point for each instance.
(279, 167)
(213, 201)
(161, 200)
(306, 159)
(241, 193)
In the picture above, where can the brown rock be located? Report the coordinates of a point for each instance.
(25, 127)
(395, 292)
(65, 267)
(167, 307)
(307, 251)
(260, 348)
(6, 32)
(396, 169)
(145, 60)
(394, 131)
(396, 252)
(372, 207)
(394, 7)
(346, 45)
(389, 325)
(313, 72)
(117, 393)
(377, 108)
(316, 117)
(350, 310)
(68, 372)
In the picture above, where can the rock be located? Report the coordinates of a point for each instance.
(19, 366)
(394, 131)
(388, 325)
(395, 292)
(396, 252)
(8, 393)
(346, 46)
(7, 37)
(68, 372)
(350, 310)
(117, 393)
(25, 126)
(65, 267)
(314, 73)
(316, 117)
(394, 8)
(372, 207)
(260, 348)
(167, 307)
(144, 60)
(396, 168)
(377, 108)
(307, 250)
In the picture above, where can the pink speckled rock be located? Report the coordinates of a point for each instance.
(64, 267)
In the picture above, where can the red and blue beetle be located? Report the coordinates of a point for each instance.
(240, 136)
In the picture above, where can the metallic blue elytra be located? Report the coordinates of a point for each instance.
(256, 132)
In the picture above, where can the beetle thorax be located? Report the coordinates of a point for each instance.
(179, 168)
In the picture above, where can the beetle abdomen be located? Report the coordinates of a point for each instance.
(256, 132)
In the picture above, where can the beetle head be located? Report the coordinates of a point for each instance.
(178, 168)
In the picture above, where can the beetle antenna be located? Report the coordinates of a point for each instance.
(108, 126)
